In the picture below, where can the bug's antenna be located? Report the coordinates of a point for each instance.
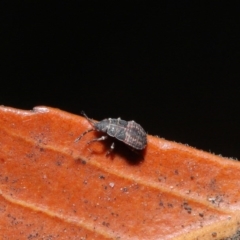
(90, 120)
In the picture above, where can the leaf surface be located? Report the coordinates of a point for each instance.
(52, 187)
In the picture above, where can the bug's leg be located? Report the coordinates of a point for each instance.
(89, 130)
(98, 139)
(136, 152)
(111, 149)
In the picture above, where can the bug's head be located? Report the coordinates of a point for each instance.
(102, 126)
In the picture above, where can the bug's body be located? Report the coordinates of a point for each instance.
(131, 133)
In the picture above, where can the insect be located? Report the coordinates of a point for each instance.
(131, 133)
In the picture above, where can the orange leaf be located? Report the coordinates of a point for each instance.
(54, 188)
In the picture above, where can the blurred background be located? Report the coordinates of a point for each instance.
(173, 67)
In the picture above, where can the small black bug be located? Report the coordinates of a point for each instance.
(131, 133)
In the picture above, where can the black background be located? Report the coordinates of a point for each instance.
(172, 66)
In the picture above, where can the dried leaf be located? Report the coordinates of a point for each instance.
(54, 188)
